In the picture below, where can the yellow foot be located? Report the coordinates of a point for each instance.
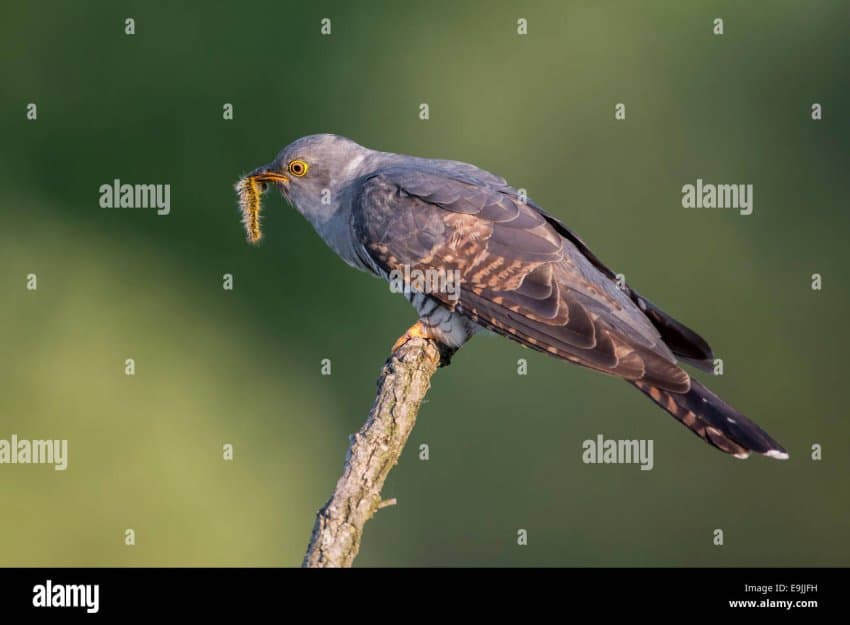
(416, 331)
(420, 331)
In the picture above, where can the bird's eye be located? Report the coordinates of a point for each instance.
(298, 168)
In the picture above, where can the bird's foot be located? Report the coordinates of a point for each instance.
(420, 331)
(416, 331)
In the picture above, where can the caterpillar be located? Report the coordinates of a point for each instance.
(248, 190)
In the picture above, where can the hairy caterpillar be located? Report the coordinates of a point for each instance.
(248, 189)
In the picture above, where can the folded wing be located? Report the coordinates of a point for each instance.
(522, 274)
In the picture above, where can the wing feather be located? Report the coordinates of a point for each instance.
(520, 276)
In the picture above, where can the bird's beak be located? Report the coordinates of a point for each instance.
(262, 174)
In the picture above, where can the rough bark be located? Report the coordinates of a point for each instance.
(372, 453)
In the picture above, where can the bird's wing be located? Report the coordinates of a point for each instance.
(519, 276)
(684, 342)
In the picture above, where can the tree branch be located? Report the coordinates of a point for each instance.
(373, 452)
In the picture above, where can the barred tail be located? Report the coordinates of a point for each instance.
(715, 421)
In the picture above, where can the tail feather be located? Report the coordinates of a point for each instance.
(715, 421)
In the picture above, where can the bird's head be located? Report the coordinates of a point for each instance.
(312, 171)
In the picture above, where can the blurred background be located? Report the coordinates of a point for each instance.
(243, 367)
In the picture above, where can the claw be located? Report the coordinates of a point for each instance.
(420, 331)
(416, 331)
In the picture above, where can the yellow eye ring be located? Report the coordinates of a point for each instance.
(298, 168)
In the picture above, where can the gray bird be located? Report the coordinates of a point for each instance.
(522, 273)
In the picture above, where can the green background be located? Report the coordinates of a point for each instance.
(243, 367)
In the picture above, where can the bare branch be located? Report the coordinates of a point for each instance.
(373, 452)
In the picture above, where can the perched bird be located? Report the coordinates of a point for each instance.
(523, 273)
